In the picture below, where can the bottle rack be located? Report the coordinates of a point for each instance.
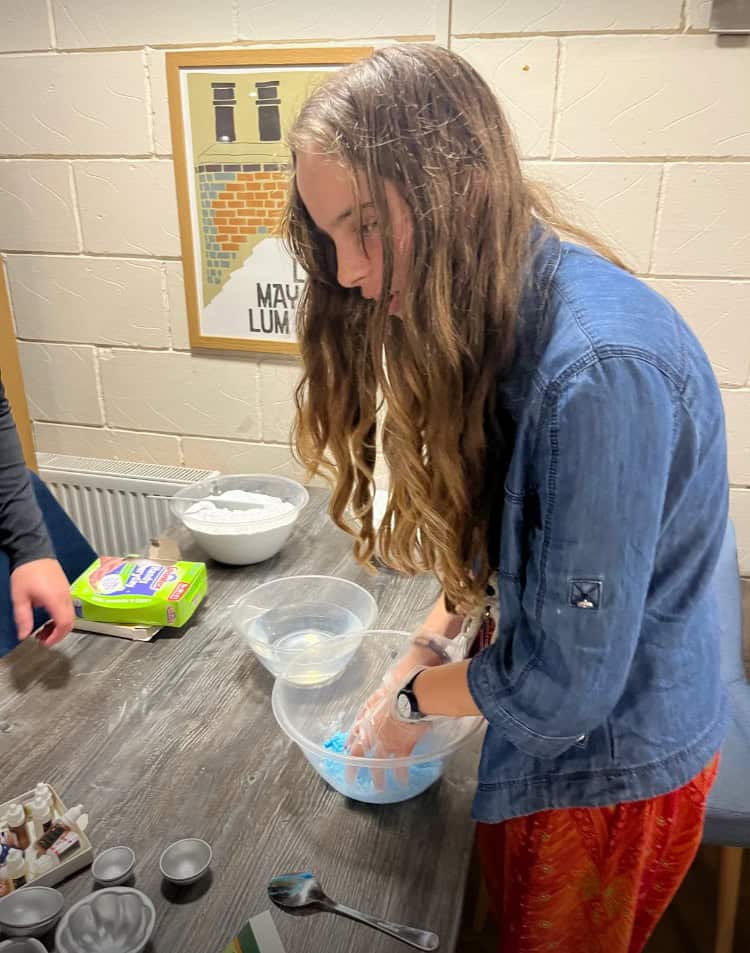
(76, 860)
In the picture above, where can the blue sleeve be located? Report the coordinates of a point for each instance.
(23, 536)
(601, 469)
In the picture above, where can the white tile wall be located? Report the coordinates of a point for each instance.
(128, 207)
(88, 300)
(632, 111)
(108, 444)
(522, 74)
(617, 200)
(61, 382)
(653, 96)
(24, 26)
(90, 103)
(37, 211)
(563, 16)
(703, 228)
(180, 394)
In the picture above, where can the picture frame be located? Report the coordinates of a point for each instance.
(229, 113)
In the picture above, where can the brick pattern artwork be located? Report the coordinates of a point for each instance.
(239, 203)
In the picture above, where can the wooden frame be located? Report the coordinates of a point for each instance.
(10, 366)
(229, 111)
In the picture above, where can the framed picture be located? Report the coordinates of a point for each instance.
(230, 111)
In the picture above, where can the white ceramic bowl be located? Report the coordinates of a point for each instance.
(115, 919)
(241, 543)
(284, 617)
(318, 718)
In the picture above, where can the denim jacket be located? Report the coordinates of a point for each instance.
(603, 683)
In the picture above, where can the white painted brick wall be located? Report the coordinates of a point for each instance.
(617, 200)
(234, 456)
(653, 96)
(110, 23)
(633, 113)
(24, 26)
(739, 508)
(108, 444)
(719, 313)
(522, 74)
(128, 207)
(737, 410)
(564, 16)
(68, 104)
(175, 300)
(109, 301)
(704, 224)
(176, 393)
(63, 384)
(277, 383)
(301, 20)
(37, 212)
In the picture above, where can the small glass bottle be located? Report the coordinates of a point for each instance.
(16, 868)
(17, 825)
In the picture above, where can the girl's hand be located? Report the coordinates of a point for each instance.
(377, 731)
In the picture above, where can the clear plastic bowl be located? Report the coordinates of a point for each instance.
(318, 718)
(283, 618)
(241, 543)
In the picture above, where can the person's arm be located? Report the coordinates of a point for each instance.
(442, 622)
(23, 535)
(36, 577)
(602, 468)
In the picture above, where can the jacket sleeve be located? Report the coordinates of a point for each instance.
(23, 535)
(601, 469)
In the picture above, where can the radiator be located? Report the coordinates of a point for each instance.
(110, 500)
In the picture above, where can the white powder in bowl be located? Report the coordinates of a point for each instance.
(258, 508)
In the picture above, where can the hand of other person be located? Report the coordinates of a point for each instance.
(41, 583)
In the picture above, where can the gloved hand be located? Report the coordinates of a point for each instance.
(377, 731)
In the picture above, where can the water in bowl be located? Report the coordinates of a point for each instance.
(280, 634)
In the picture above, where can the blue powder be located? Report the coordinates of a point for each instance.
(362, 788)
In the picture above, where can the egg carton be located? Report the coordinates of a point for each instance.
(76, 860)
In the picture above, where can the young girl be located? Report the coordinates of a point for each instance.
(546, 415)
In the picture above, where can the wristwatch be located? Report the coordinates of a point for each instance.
(407, 707)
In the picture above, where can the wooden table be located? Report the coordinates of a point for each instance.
(176, 737)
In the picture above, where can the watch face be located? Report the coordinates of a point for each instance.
(404, 706)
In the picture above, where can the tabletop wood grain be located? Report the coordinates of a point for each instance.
(176, 738)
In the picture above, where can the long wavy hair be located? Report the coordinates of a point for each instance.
(424, 119)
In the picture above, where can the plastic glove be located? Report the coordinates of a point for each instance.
(378, 732)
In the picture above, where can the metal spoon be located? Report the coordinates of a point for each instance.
(302, 894)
